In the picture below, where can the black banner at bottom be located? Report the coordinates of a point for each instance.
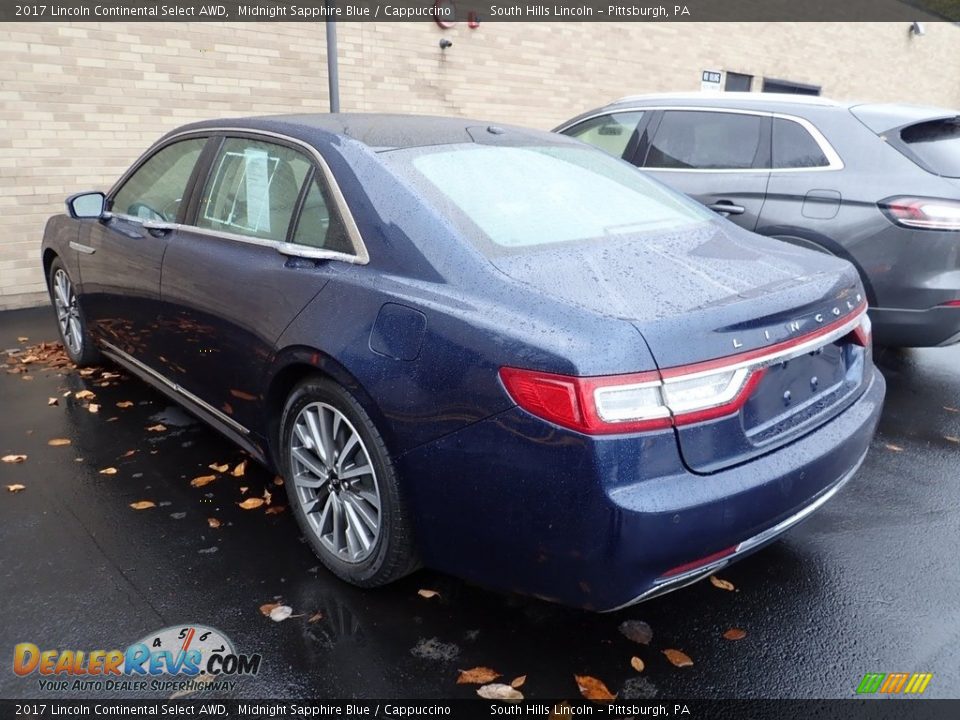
(874, 709)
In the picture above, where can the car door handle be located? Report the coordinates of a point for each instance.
(725, 207)
(158, 228)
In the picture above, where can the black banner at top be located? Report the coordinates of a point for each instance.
(449, 12)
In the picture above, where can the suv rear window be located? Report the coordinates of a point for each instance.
(936, 144)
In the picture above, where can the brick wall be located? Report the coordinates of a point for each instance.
(79, 102)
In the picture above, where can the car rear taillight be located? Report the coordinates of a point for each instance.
(922, 213)
(952, 303)
(672, 397)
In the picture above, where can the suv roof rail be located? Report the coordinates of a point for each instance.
(733, 96)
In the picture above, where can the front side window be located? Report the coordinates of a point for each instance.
(155, 190)
(697, 140)
(253, 189)
(511, 198)
(794, 147)
(610, 133)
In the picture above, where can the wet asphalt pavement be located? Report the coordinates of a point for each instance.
(871, 583)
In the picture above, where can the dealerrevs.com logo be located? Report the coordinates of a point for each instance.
(179, 658)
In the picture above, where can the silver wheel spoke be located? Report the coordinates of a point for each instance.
(305, 458)
(327, 438)
(356, 472)
(316, 436)
(356, 506)
(355, 526)
(348, 448)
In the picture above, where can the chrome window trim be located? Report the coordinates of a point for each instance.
(206, 407)
(835, 162)
(360, 255)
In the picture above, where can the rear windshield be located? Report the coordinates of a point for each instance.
(936, 144)
(519, 197)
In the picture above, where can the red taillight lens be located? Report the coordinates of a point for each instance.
(952, 303)
(923, 213)
(863, 333)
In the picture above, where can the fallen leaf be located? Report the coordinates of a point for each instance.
(951, 409)
(895, 448)
(735, 634)
(251, 503)
(15, 488)
(53, 401)
(243, 490)
(316, 617)
(428, 593)
(518, 682)
(275, 509)
(636, 630)
(477, 676)
(157, 428)
(951, 438)
(26, 377)
(109, 375)
(240, 469)
(13, 458)
(498, 691)
(129, 453)
(278, 481)
(281, 613)
(593, 689)
(242, 395)
(213, 522)
(142, 505)
(109, 471)
(68, 393)
(267, 496)
(87, 372)
(58, 442)
(84, 395)
(124, 404)
(93, 407)
(722, 584)
(637, 664)
(678, 658)
(219, 468)
(22, 339)
(269, 608)
(202, 480)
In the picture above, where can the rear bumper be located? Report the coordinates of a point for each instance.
(515, 504)
(933, 327)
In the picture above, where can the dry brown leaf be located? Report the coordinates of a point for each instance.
(735, 634)
(278, 481)
(269, 608)
(637, 664)
(124, 404)
(251, 503)
(243, 489)
(53, 401)
(316, 617)
(240, 469)
(58, 442)
(84, 395)
(93, 407)
(593, 689)
(22, 339)
(242, 395)
(142, 505)
(477, 676)
(214, 523)
(87, 372)
(109, 471)
(722, 584)
(895, 448)
(678, 658)
(26, 377)
(275, 509)
(267, 496)
(218, 468)
(498, 691)
(129, 453)
(518, 682)
(281, 613)
(202, 480)
(16, 487)
(68, 393)
(951, 438)
(13, 458)
(428, 593)
(157, 428)
(636, 630)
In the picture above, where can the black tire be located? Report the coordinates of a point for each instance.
(85, 352)
(393, 553)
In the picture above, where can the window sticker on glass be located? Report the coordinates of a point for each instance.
(241, 191)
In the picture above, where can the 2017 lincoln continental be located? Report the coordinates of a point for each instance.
(497, 352)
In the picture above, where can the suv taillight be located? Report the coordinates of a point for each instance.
(922, 213)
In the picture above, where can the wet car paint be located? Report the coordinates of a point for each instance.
(868, 584)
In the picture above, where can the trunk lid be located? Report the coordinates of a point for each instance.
(717, 291)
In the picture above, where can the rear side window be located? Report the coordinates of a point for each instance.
(936, 144)
(794, 146)
(697, 140)
(610, 133)
(253, 189)
(319, 225)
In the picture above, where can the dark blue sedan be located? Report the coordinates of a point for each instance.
(497, 352)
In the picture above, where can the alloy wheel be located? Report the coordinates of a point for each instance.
(335, 481)
(68, 313)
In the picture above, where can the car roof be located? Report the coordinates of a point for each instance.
(376, 130)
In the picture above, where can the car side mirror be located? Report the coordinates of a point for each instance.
(87, 205)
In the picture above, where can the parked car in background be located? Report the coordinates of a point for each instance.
(875, 184)
(498, 352)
